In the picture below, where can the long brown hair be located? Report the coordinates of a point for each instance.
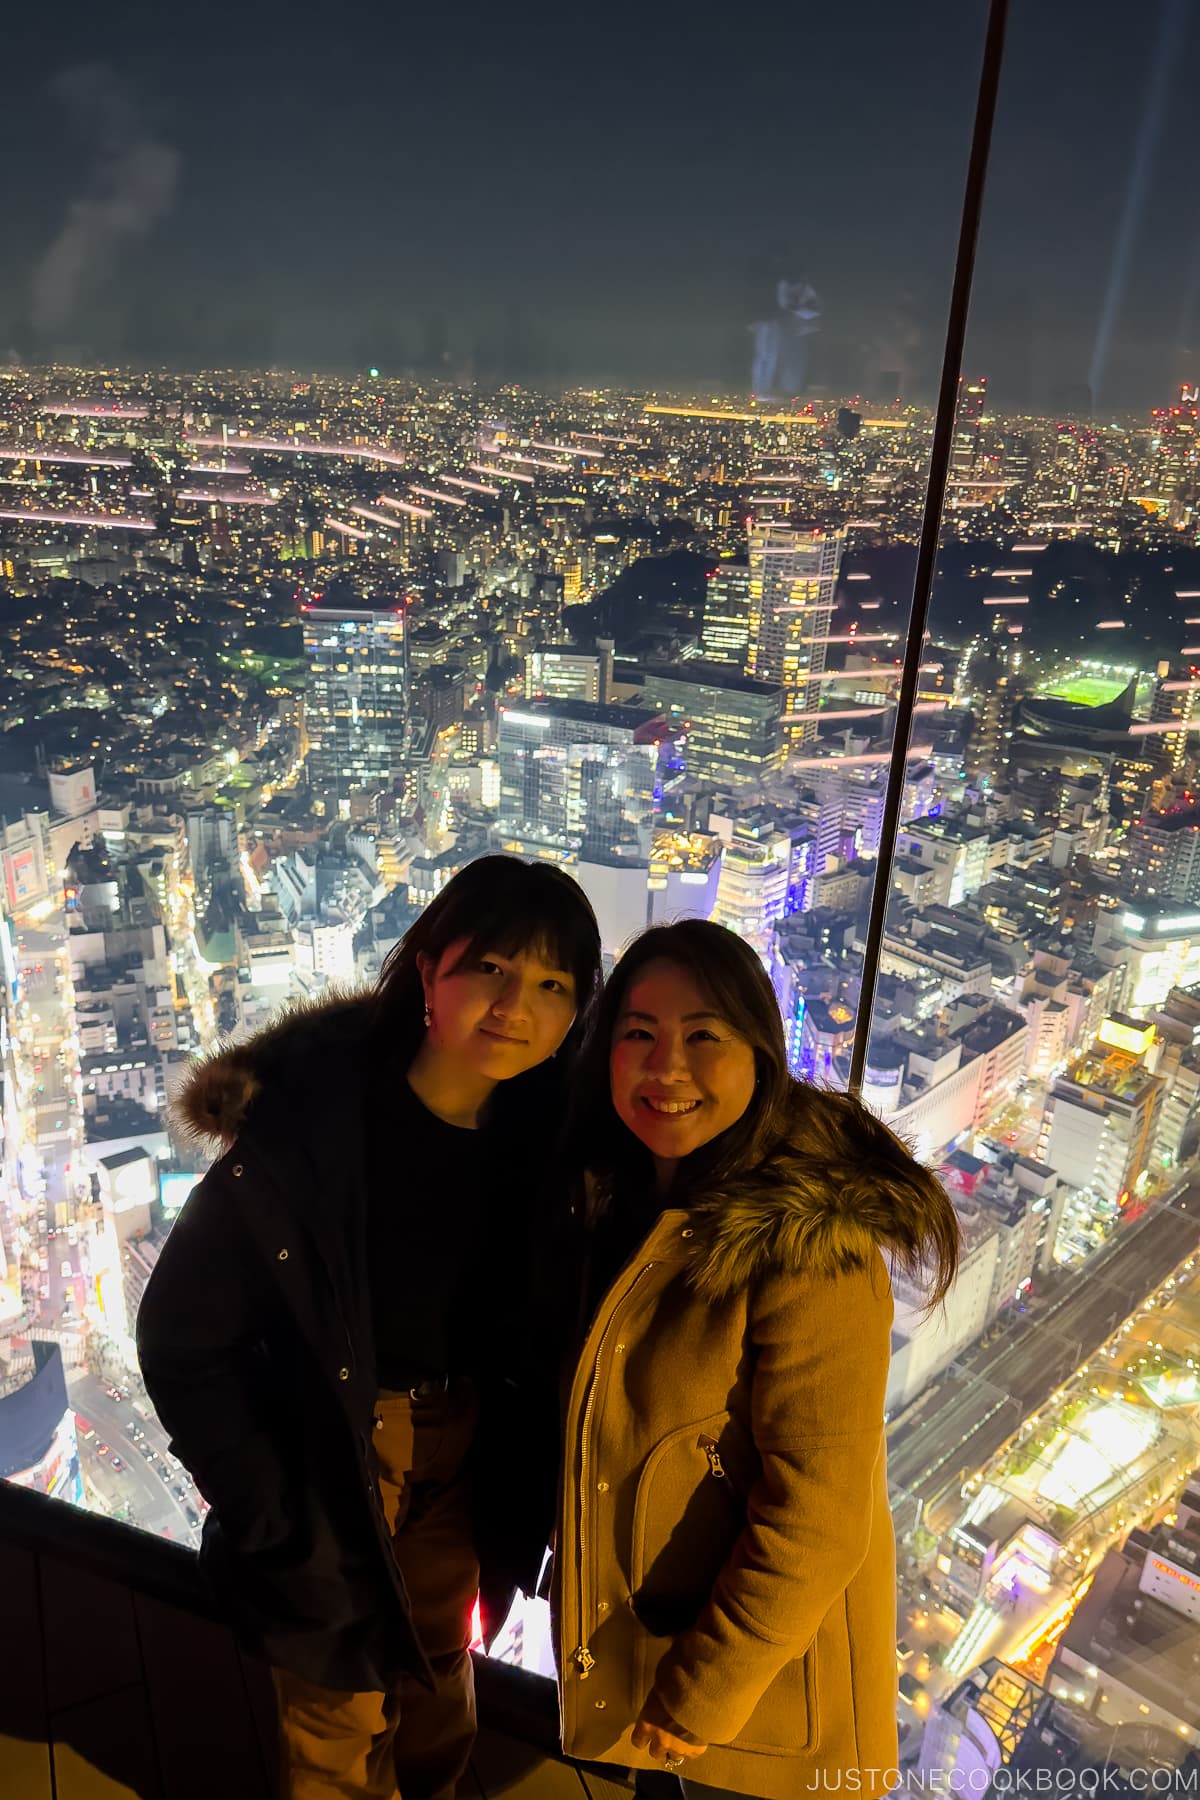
(922, 1231)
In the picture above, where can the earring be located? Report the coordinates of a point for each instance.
(428, 1016)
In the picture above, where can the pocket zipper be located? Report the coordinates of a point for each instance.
(716, 1467)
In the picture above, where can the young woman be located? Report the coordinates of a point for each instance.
(725, 1566)
(332, 1332)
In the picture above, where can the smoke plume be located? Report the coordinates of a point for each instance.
(128, 188)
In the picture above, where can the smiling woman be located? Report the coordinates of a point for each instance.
(725, 1570)
(680, 1073)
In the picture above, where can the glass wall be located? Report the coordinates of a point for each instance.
(541, 467)
(1032, 1034)
(514, 504)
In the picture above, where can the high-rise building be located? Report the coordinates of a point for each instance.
(730, 728)
(357, 712)
(793, 575)
(753, 888)
(1102, 1114)
(578, 780)
(725, 634)
(1164, 854)
(766, 858)
(1174, 698)
(1176, 443)
(968, 427)
(992, 682)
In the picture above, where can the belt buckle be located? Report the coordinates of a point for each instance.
(425, 1390)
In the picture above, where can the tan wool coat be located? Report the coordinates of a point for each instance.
(725, 1539)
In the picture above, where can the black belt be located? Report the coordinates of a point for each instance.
(416, 1385)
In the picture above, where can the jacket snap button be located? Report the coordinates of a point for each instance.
(283, 1256)
(602, 1606)
(602, 1487)
(237, 1169)
(687, 1232)
(343, 1374)
(600, 1705)
(379, 1424)
(618, 1348)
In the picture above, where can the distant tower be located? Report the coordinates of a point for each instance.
(793, 575)
(1176, 442)
(968, 428)
(993, 685)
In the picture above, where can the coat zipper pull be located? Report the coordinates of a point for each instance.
(716, 1467)
(584, 1661)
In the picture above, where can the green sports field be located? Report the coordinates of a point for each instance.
(1084, 690)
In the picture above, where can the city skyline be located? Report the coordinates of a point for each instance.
(286, 653)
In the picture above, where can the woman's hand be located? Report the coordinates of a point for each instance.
(657, 1732)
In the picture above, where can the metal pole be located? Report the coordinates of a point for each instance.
(939, 468)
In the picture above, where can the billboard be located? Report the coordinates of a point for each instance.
(174, 1189)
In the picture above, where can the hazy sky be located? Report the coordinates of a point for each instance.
(552, 193)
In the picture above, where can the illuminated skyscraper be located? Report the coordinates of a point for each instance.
(991, 684)
(1174, 698)
(1164, 854)
(1102, 1113)
(578, 780)
(729, 726)
(968, 427)
(793, 575)
(726, 629)
(357, 712)
(1176, 442)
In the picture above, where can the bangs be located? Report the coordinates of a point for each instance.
(539, 914)
(522, 937)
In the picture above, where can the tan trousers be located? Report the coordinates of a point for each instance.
(410, 1744)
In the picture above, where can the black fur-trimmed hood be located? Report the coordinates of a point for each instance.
(219, 1092)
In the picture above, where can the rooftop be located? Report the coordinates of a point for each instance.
(711, 674)
(1112, 1073)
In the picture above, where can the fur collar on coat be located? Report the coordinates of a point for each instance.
(836, 1191)
(219, 1092)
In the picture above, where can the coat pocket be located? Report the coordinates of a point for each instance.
(785, 1721)
(689, 1511)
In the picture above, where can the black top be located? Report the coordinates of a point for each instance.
(627, 1220)
(433, 1211)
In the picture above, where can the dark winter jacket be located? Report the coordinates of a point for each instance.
(255, 1341)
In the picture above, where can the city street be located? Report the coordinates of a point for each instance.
(960, 1421)
(140, 1485)
(47, 1045)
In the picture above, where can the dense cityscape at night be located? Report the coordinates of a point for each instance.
(286, 654)
(627, 588)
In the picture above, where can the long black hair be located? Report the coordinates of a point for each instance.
(504, 905)
(923, 1237)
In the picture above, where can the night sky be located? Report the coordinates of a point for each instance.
(574, 193)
